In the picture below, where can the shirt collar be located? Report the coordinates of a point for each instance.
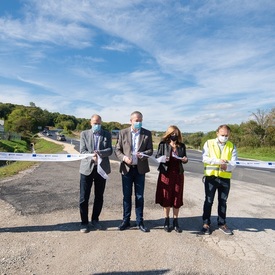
(97, 133)
(135, 132)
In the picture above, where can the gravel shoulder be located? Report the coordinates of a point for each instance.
(39, 229)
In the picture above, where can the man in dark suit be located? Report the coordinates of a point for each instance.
(98, 142)
(131, 143)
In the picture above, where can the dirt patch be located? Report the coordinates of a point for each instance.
(39, 229)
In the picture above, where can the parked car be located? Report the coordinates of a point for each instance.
(49, 134)
(61, 137)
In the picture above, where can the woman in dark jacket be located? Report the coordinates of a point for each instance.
(169, 191)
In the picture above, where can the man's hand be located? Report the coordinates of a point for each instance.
(95, 158)
(128, 160)
(224, 165)
(139, 155)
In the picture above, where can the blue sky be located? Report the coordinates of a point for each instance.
(195, 64)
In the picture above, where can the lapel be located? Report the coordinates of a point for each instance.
(168, 150)
(180, 153)
(141, 137)
(100, 138)
(129, 137)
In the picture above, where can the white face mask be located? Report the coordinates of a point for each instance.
(223, 139)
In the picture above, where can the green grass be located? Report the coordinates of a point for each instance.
(264, 153)
(41, 146)
(17, 146)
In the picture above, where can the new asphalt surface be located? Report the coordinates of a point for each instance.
(39, 228)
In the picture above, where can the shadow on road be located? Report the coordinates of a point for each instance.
(149, 272)
(189, 224)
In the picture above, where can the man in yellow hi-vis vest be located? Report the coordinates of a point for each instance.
(217, 174)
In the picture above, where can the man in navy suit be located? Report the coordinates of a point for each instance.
(133, 141)
(98, 142)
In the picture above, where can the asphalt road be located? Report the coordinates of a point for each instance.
(39, 228)
(262, 176)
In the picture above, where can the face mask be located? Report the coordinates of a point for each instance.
(137, 125)
(174, 138)
(96, 128)
(223, 139)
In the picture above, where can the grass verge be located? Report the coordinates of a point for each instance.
(263, 153)
(41, 146)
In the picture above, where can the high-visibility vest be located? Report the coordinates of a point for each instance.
(215, 152)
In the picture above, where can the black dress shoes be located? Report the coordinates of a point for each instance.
(124, 225)
(177, 229)
(143, 228)
(176, 226)
(166, 226)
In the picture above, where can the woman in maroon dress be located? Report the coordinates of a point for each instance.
(169, 191)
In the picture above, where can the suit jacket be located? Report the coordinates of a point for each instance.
(124, 145)
(87, 147)
(164, 149)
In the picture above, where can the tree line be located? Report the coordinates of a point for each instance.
(29, 120)
(256, 133)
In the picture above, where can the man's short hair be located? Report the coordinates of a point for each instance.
(224, 126)
(137, 113)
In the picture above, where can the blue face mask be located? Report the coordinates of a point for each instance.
(137, 125)
(96, 128)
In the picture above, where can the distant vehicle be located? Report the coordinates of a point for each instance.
(46, 130)
(49, 134)
(61, 138)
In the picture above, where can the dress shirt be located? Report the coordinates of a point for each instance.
(134, 149)
(96, 141)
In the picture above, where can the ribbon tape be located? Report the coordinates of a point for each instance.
(42, 157)
(75, 157)
(51, 157)
(259, 164)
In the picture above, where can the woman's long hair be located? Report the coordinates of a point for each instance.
(172, 129)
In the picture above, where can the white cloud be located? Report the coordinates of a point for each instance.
(196, 64)
(115, 46)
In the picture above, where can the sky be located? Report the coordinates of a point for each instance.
(195, 64)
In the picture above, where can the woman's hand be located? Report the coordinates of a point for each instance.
(184, 159)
